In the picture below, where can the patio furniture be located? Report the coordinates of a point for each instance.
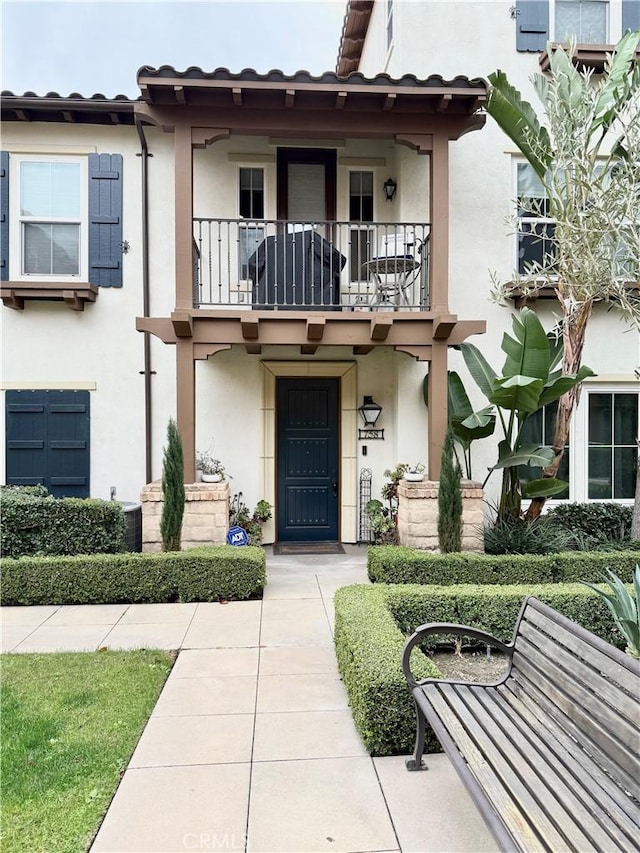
(549, 753)
(393, 270)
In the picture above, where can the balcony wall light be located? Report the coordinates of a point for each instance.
(390, 186)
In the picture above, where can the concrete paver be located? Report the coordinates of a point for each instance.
(170, 809)
(308, 734)
(215, 739)
(251, 746)
(332, 804)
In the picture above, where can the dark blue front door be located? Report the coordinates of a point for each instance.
(307, 429)
(48, 441)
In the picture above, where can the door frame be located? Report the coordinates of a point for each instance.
(327, 157)
(347, 439)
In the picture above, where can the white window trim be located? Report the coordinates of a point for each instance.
(15, 218)
(580, 421)
(515, 162)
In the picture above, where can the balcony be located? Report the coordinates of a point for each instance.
(272, 265)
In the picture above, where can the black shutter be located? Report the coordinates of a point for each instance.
(532, 25)
(47, 441)
(4, 216)
(630, 15)
(105, 220)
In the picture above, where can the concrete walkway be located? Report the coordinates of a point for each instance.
(251, 746)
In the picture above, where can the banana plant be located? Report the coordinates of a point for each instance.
(529, 381)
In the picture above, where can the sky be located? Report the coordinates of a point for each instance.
(91, 47)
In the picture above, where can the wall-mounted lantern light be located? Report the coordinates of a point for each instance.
(370, 412)
(390, 186)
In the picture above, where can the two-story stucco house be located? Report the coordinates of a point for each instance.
(264, 255)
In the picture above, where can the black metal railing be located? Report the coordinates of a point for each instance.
(340, 266)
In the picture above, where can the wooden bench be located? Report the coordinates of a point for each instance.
(550, 753)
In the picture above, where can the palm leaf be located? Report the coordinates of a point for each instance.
(543, 488)
(481, 371)
(518, 120)
(560, 385)
(529, 454)
(518, 393)
(528, 353)
(615, 84)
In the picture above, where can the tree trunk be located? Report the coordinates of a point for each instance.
(574, 333)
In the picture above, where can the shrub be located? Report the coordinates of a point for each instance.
(519, 536)
(32, 524)
(409, 565)
(172, 489)
(449, 500)
(370, 628)
(597, 522)
(199, 574)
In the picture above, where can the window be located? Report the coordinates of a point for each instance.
(49, 205)
(587, 20)
(360, 211)
(539, 429)
(251, 203)
(389, 23)
(251, 206)
(612, 449)
(535, 229)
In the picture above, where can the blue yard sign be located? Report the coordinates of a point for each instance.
(237, 536)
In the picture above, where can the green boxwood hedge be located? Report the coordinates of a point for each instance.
(35, 524)
(372, 623)
(393, 564)
(199, 574)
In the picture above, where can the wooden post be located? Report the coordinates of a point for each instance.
(186, 405)
(437, 407)
(439, 218)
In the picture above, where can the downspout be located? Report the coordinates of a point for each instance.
(146, 372)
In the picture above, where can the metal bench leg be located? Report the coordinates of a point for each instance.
(416, 763)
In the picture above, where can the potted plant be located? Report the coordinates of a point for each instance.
(213, 471)
(414, 473)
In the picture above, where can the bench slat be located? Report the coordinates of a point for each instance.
(526, 750)
(625, 678)
(619, 701)
(569, 818)
(566, 713)
(561, 751)
(598, 723)
(517, 809)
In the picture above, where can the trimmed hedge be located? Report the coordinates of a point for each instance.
(600, 521)
(33, 524)
(370, 632)
(393, 564)
(199, 574)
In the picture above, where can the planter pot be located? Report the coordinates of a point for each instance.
(198, 475)
(212, 478)
(413, 477)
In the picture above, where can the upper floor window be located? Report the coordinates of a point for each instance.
(535, 230)
(251, 203)
(49, 206)
(586, 20)
(389, 23)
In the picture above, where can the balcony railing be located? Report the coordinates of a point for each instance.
(310, 266)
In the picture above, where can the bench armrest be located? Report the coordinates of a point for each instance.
(446, 628)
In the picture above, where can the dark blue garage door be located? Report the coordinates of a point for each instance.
(48, 440)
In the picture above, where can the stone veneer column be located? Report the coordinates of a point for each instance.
(206, 515)
(418, 515)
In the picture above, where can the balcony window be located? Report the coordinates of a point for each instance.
(251, 206)
(584, 20)
(360, 211)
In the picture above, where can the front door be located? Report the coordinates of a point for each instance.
(307, 448)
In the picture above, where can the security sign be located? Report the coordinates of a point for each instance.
(237, 536)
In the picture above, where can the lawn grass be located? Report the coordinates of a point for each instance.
(70, 723)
